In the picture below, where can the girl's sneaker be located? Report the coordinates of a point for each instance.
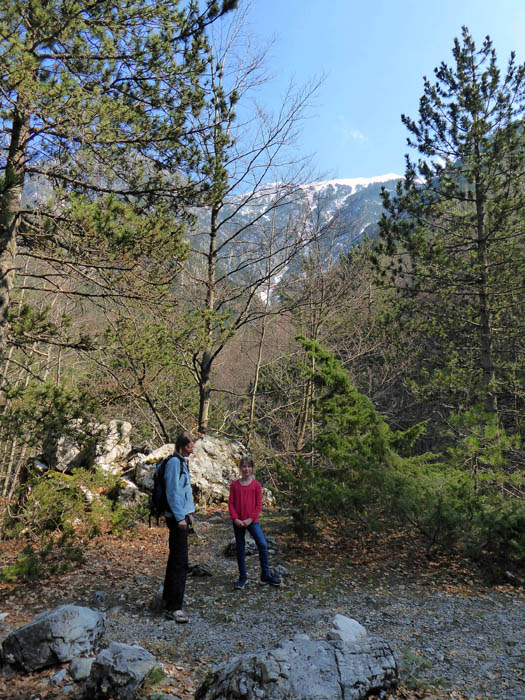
(271, 579)
(241, 583)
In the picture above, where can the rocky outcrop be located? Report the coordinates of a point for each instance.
(94, 444)
(213, 465)
(53, 637)
(114, 447)
(129, 493)
(306, 669)
(66, 634)
(346, 666)
(143, 466)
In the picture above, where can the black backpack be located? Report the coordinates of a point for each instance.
(158, 501)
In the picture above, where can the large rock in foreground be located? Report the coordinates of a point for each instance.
(304, 669)
(54, 637)
(119, 671)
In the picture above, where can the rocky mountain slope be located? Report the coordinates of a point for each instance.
(277, 219)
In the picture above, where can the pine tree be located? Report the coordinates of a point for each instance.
(94, 105)
(453, 235)
(85, 88)
(356, 454)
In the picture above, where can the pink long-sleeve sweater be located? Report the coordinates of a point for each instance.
(245, 501)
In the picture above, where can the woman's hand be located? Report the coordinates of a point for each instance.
(238, 523)
(247, 522)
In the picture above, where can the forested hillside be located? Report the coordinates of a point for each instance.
(162, 262)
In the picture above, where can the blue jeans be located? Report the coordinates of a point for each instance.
(256, 532)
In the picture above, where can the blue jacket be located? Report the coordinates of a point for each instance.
(178, 487)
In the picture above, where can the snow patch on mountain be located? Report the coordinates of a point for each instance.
(353, 183)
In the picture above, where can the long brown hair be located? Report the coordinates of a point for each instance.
(183, 440)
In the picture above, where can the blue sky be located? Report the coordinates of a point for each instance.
(374, 56)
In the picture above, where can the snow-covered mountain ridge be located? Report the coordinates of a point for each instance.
(352, 183)
(337, 213)
(353, 204)
(356, 201)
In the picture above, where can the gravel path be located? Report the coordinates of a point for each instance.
(453, 634)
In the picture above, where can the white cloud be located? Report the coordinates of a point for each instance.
(347, 133)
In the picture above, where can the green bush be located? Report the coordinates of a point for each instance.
(469, 499)
(434, 499)
(356, 452)
(485, 452)
(448, 506)
(84, 501)
(124, 519)
(498, 531)
(28, 566)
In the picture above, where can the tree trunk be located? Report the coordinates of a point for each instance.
(302, 420)
(10, 205)
(205, 392)
(485, 330)
(207, 358)
(251, 420)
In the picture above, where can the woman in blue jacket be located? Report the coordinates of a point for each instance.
(178, 519)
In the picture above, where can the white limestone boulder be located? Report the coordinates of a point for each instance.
(214, 465)
(119, 671)
(114, 446)
(53, 637)
(302, 668)
(345, 629)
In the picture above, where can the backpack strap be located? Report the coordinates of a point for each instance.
(181, 462)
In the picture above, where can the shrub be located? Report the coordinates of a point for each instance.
(356, 452)
(470, 499)
(27, 566)
(55, 502)
(448, 506)
(498, 531)
(434, 499)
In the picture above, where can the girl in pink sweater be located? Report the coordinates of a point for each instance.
(245, 505)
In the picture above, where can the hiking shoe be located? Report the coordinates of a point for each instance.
(177, 615)
(241, 583)
(271, 579)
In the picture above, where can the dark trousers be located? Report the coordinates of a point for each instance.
(177, 566)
